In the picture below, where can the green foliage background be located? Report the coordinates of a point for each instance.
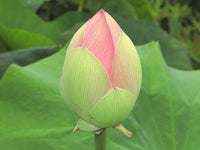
(32, 114)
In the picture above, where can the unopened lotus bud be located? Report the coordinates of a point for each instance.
(101, 76)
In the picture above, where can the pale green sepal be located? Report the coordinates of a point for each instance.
(85, 126)
(75, 129)
(84, 81)
(113, 108)
(123, 130)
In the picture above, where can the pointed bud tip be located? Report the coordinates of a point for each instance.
(102, 11)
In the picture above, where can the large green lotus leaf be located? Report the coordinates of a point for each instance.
(14, 15)
(13, 39)
(24, 56)
(166, 114)
(185, 81)
(174, 52)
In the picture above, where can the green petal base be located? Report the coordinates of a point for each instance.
(113, 108)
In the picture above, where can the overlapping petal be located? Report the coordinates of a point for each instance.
(113, 108)
(127, 73)
(83, 82)
(101, 37)
(77, 39)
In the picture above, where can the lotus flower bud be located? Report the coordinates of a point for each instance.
(101, 76)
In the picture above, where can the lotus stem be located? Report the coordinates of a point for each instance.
(100, 139)
(80, 7)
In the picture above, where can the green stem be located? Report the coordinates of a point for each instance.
(48, 12)
(100, 140)
(80, 7)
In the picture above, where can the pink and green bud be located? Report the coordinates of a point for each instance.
(101, 76)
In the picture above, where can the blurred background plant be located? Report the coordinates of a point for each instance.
(57, 20)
